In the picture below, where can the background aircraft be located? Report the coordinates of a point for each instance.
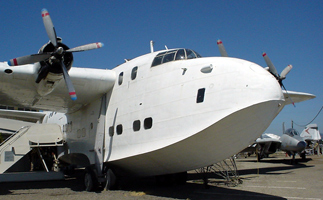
(312, 136)
(290, 141)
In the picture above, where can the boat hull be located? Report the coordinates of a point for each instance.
(207, 146)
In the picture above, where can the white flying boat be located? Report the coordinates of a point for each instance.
(165, 112)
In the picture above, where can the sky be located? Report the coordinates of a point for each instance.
(289, 31)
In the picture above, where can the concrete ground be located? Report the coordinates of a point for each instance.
(272, 178)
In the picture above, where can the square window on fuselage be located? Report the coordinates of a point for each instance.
(200, 95)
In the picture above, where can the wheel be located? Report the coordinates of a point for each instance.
(111, 180)
(90, 180)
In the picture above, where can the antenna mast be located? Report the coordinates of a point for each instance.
(151, 46)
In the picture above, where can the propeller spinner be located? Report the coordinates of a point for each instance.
(56, 56)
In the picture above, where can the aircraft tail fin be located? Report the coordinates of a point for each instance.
(311, 132)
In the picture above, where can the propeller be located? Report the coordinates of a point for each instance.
(282, 76)
(68, 82)
(28, 59)
(56, 56)
(223, 52)
(49, 26)
(272, 69)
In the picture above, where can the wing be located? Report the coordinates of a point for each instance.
(267, 140)
(296, 97)
(19, 89)
(268, 145)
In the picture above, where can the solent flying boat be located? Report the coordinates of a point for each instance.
(165, 112)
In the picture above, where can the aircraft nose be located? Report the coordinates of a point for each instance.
(301, 145)
(262, 83)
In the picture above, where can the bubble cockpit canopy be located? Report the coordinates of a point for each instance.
(291, 132)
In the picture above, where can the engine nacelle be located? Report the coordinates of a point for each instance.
(55, 67)
(49, 83)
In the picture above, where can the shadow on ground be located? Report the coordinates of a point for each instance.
(147, 188)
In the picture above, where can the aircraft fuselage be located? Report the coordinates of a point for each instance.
(177, 116)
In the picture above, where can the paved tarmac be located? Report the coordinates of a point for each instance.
(272, 178)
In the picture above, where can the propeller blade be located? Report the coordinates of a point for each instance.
(271, 66)
(49, 27)
(30, 59)
(86, 47)
(69, 83)
(285, 71)
(223, 52)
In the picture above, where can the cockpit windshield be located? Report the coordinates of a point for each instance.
(291, 132)
(172, 55)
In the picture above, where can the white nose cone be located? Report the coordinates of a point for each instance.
(268, 85)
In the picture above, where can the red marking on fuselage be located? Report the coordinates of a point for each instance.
(307, 131)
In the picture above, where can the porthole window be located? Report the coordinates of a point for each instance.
(120, 80)
(148, 123)
(200, 95)
(119, 129)
(134, 73)
(83, 132)
(136, 125)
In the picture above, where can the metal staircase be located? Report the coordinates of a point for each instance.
(21, 142)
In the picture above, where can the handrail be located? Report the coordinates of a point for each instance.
(13, 135)
(9, 138)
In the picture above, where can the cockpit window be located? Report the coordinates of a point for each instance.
(169, 56)
(291, 132)
(190, 54)
(172, 55)
(158, 59)
(180, 55)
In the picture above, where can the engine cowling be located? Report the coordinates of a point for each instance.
(55, 67)
(50, 71)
